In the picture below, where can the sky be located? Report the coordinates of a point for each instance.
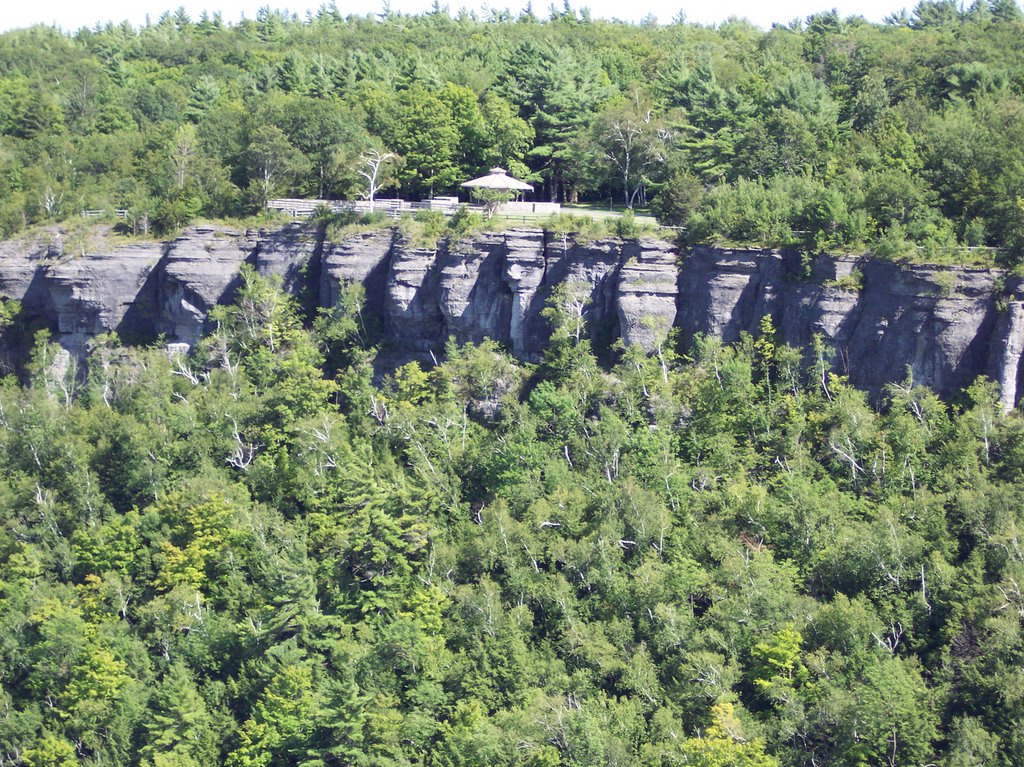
(74, 14)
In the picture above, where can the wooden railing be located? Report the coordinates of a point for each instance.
(297, 208)
(100, 213)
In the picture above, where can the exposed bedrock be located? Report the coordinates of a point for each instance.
(81, 287)
(98, 293)
(945, 325)
(474, 300)
(1006, 364)
(200, 270)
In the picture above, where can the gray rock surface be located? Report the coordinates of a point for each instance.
(361, 258)
(1006, 360)
(412, 311)
(97, 293)
(474, 299)
(942, 325)
(200, 270)
(594, 266)
(647, 295)
(724, 293)
(524, 273)
(286, 253)
(21, 267)
(933, 323)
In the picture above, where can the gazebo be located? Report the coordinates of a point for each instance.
(498, 180)
(496, 188)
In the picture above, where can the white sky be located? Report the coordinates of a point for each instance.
(74, 14)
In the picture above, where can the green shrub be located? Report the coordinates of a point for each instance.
(852, 282)
(376, 218)
(463, 222)
(581, 227)
(625, 225)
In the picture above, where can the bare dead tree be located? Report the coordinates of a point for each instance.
(373, 161)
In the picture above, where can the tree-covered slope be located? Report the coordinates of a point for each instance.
(256, 556)
(905, 138)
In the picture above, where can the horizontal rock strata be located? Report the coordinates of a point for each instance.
(879, 320)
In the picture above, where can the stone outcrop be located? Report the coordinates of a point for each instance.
(1006, 365)
(82, 287)
(200, 270)
(879, 320)
(524, 273)
(474, 299)
(647, 295)
(496, 285)
(361, 258)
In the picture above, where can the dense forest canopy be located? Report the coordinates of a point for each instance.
(834, 133)
(257, 556)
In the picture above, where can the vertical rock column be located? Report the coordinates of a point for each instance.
(286, 253)
(525, 269)
(591, 270)
(360, 258)
(723, 293)
(200, 271)
(1010, 351)
(412, 312)
(647, 291)
(931, 321)
(473, 295)
(98, 293)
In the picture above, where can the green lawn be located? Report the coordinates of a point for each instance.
(594, 210)
(600, 210)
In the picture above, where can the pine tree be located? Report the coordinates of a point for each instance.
(179, 728)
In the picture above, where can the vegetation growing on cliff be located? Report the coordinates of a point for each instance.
(237, 558)
(906, 138)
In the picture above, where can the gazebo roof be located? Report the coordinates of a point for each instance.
(498, 178)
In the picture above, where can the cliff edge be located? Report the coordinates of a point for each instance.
(947, 325)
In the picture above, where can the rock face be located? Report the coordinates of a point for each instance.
(364, 259)
(879, 320)
(82, 288)
(200, 270)
(1006, 365)
(524, 273)
(95, 293)
(647, 295)
(474, 299)
(496, 285)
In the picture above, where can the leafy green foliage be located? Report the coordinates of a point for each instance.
(266, 555)
(904, 139)
(727, 559)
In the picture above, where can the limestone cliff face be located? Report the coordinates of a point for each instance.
(200, 270)
(947, 325)
(496, 284)
(83, 288)
(1006, 360)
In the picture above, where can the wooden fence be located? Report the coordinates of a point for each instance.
(297, 208)
(100, 213)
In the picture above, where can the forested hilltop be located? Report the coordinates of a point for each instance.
(256, 556)
(905, 138)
